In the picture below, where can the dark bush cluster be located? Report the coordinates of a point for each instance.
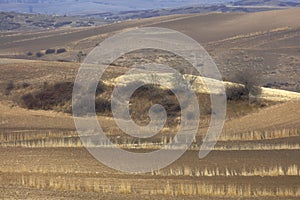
(60, 24)
(236, 93)
(39, 54)
(49, 96)
(62, 50)
(58, 96)
(50, 51)
(147, 96)
(9, 87)
(102, 105)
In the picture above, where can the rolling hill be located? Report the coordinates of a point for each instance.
(267, 42)
(256, 156)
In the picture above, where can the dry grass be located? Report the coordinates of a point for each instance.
(242, 141)
(259, 131)
(266, 171)
(259, 135)
(257, 147)
(278, 95)
(168, 188)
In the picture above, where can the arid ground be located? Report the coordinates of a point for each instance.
(257, 154)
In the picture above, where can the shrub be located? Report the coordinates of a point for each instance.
(9, 87)
(49, 96)
(58, 96)
(236, 93)
(148, 95)
(102, 105)
(50, 51)
(29, 101)
(80, 55)
(250, 80)
(29, 53)
(39, 54)
(60, 24)
(62, 50)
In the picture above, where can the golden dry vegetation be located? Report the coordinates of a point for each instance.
(257, 154)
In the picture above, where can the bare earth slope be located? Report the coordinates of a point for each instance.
(275, 117)
(270, 118)
(202, 27)
(256, 158)
(213, 27)
(265, 42)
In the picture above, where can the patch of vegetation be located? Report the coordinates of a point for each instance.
(250, 80)
(8, 88)
(58, 97)
(102, 105)
(60, 24)
(39, 54)
(49, 96)
(147, 96)
(61, 50)
(8, 26)
(236, 93)
(80, 56)
(44, 23)
(50, 51)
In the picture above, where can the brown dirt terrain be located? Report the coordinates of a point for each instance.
(257, 153)
(222, 25)
(266, 42)
(228, 172)
(74, 173)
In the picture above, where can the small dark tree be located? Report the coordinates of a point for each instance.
(236, 92)
(250, 80)
(50, 51)
(62, 50)
(80, 55)
(39, 54)
(9, 87)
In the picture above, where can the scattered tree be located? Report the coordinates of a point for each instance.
(251, 82)
(80, 55)
(62, 50)
(9, 87)
(50, 51)
(39, 54)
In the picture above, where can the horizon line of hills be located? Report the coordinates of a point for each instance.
(86, 7)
